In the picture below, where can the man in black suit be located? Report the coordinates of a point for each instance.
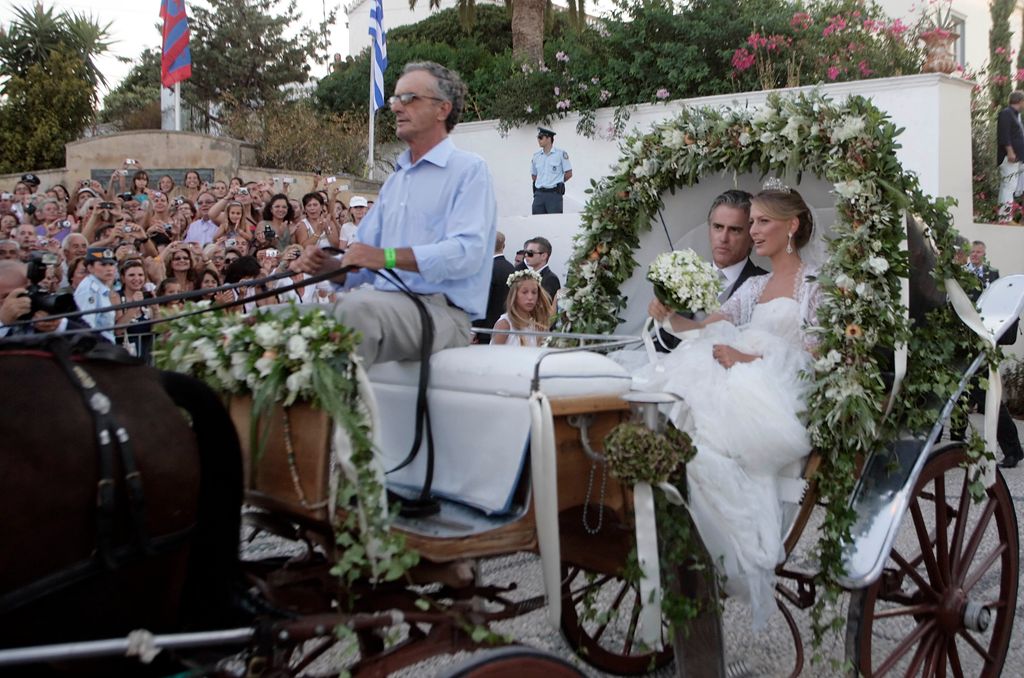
(499, 289)
(729, 234)
(1009, 152)
(538, 251)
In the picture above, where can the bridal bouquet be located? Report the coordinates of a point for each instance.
(684, 282)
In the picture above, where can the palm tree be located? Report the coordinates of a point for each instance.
(37, 32)
(527, 24)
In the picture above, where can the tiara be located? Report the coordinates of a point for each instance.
(775, 184)
(522, 274)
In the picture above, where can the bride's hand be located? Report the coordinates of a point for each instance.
(658, 310)
(727, 356)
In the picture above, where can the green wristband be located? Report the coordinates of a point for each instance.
(390, 258)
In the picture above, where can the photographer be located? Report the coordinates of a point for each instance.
(94, 291)
(21, 298)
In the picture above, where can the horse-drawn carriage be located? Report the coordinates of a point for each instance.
(515, 461)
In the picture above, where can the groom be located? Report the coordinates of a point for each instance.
(729, 234)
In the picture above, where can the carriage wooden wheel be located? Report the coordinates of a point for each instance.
(600, 608)
(944, 604)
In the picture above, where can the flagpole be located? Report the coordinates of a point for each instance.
(369, 155)
(177, 106)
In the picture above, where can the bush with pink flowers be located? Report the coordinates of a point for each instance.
(829, 41)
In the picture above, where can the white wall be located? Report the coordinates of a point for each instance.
(933, 109)
(978, 22)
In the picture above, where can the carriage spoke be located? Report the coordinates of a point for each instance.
(614, 606)
(954, 657)
(973, 642)
(975, 542)
(983, 567)
(634, 619)
(939, 667)
(925, 540)
(922, 585)
(915, 610)
(960, 528)
(579, 594)
(903, 647)
(941, 527)
(924, 651)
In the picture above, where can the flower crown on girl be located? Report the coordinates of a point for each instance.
(522, 274)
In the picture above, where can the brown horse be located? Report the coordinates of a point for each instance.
(159, 550)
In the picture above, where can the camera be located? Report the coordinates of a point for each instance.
(131, 161)
(107, 205)
(268, 232)
(124, 173)
(126, 196)
(64, 223)
(42, 300)
(168, 227)
(330, 180)
(318, 170)
(230, 242)
(127, 229)
(243, 191)
(178, 201)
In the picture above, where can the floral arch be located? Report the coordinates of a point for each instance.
(852, 146)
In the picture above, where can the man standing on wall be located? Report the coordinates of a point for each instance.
(550, 169)
(1009, 152)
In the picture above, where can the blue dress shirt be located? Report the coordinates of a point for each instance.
(443, 207)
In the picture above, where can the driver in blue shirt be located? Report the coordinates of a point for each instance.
(433, 225)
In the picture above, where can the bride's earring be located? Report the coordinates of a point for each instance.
(789, 245)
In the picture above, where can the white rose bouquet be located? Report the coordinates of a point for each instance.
(684, 282)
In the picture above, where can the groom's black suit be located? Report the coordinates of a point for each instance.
(666, 342)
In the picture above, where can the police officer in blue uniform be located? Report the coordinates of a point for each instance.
(94, 290)
(550, 169)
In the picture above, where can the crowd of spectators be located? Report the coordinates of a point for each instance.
(167, 238)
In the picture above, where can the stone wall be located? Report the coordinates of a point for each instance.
(164, 152)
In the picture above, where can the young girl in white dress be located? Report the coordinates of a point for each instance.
(743, 396)
(529, 309)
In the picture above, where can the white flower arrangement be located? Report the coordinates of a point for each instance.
(521, 274)
(684, 282)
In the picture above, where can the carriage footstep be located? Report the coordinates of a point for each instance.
(414, 508)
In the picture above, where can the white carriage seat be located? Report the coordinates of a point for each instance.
(480, 415)
(1002, 303)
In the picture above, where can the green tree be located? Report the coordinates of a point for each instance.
(43, 110)
(130, 105)
(246, 53)
(527, 22)
(37, 32)
(999, 54)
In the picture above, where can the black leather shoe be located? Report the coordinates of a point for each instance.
(1009, 462)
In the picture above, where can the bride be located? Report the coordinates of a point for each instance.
(743, 394)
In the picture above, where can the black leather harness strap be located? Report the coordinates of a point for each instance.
(109, 434)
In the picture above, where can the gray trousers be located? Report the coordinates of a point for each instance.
(545, 202)
(390, 324)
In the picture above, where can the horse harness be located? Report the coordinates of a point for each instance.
(111, 438)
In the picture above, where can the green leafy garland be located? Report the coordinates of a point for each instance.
(853, 146)
(294, 356)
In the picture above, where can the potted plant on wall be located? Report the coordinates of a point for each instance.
(936, 30)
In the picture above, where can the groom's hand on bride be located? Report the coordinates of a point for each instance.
(727, 356)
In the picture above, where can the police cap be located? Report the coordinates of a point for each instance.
(545, 132)
(100, 254)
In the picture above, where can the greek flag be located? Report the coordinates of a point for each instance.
(379, 61)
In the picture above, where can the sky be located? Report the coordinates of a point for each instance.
(133, 27)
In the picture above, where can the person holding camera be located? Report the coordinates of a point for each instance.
(94, 291)
(17, 299)
(278, 226)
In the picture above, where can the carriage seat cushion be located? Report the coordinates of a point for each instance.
(508, 371)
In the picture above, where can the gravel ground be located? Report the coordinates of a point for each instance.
(747, 654)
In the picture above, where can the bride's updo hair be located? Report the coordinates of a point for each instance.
(784, 205)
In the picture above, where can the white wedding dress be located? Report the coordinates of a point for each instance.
(746, 424)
